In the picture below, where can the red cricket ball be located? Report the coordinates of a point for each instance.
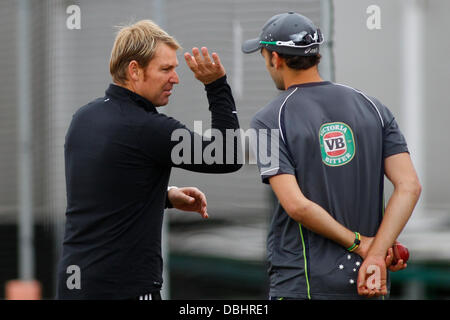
(400, 252)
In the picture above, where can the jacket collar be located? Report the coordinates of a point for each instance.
(122, 93)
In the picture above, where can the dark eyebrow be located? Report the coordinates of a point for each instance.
(164, 66)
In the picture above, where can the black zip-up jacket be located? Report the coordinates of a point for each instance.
(118, 158)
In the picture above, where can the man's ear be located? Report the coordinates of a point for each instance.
(276, 60)
(133, 70)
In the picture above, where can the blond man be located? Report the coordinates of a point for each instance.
(118, 156)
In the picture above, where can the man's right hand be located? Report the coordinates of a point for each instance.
(372, 276)
(205, 69)
(188, 199)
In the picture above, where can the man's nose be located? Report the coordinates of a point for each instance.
(174, 79)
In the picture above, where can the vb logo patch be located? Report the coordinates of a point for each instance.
(337, 143)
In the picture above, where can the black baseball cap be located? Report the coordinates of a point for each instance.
(289, 33)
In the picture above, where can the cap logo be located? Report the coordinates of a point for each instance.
(298, 37)
(337, 143)
(311, 50)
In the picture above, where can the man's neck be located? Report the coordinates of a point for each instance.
(301, 76)
(125, 85)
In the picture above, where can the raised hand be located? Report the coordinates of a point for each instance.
(205, 69)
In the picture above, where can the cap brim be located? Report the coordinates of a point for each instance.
(251, 45)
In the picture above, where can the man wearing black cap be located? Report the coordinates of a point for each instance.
(335, 145)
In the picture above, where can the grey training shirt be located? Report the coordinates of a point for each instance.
(334, 140)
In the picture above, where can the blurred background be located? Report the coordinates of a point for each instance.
(54, 58)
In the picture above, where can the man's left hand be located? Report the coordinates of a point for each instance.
(205, 69)
(188, 199)
(400, 265)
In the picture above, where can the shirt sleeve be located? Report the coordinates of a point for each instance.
(393, 140)
(168, 142)
(271, 153)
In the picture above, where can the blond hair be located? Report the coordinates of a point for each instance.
(136, 42)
